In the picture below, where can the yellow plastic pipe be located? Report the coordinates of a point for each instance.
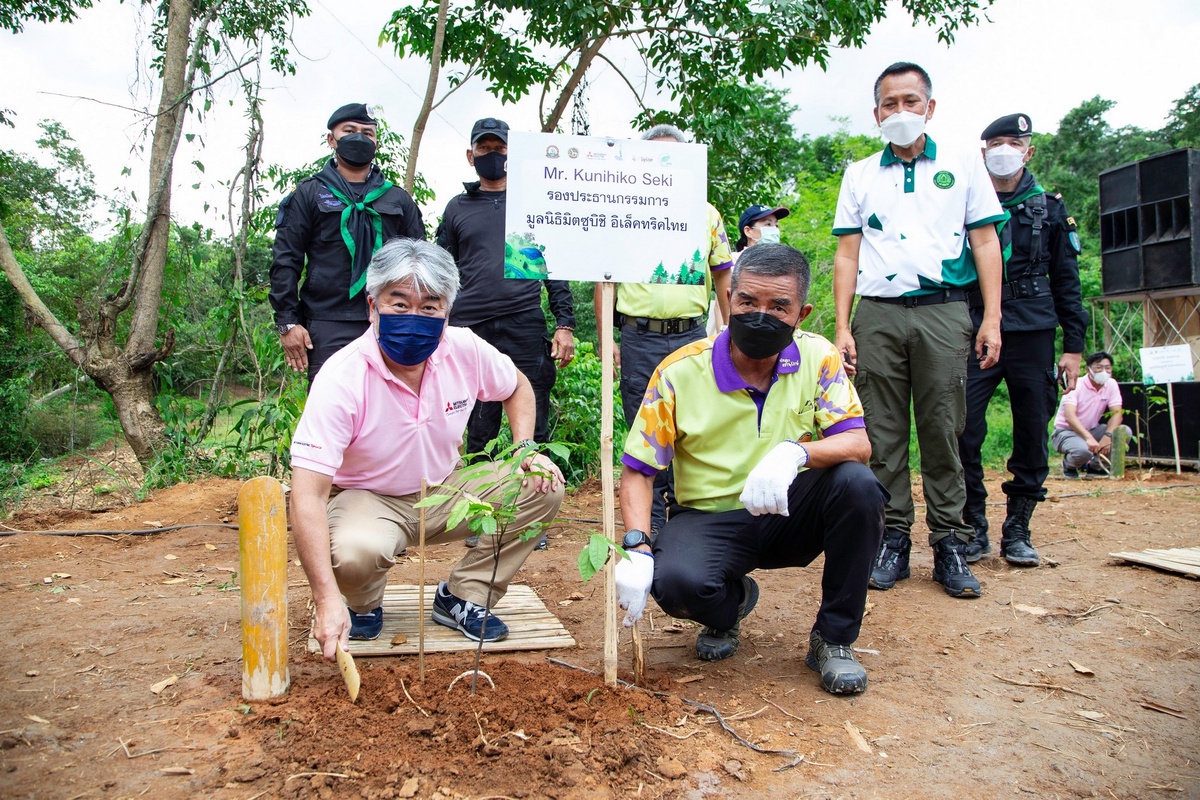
(262, 527)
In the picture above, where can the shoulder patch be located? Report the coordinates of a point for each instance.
(1076, 245)
(1071, 223)
(284, 205)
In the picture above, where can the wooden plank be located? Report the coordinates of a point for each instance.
(531, 626)
(1184, 560)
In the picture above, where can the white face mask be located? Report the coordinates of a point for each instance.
(1100, 378)
(903, 128)
(768, 235)
(1004, 161)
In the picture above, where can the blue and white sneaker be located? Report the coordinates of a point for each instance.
(454, 612)
(366, 626)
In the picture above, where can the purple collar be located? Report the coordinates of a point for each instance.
(726, 374)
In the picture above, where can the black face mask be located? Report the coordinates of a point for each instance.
(491, 166)
(355, 149)
(760, 335)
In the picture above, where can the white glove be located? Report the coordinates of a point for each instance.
(767, 484)
(634, 576)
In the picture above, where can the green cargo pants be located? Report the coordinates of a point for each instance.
(915, 356)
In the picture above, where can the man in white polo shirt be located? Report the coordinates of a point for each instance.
(916, 229)
(386, 411)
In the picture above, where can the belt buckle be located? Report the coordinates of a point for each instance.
(910, 301)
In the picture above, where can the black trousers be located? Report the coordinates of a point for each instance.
(1028, 368)
(700, 557)
(328, 336)
(522, 337)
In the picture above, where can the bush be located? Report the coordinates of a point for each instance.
(55, 431)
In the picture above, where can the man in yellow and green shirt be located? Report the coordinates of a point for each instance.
(766, 435)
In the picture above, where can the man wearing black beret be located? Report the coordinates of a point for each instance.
(325, 234)
(1041, 293)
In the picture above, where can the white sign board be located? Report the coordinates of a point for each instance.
(1167, 364)
(586, 208)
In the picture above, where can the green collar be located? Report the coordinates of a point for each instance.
(889, 157)
(1018, 199)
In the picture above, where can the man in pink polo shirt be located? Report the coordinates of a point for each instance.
(1079, 432)
(386, 411)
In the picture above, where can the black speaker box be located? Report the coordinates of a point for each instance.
(1150, 224)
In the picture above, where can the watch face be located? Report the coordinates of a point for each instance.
(634, 538)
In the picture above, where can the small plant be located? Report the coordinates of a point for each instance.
(230, 585)
(491, 518)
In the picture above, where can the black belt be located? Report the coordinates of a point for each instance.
(678, 325)
(1020, 288)
(932, 299)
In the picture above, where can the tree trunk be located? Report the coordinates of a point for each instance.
(435, 62)
(586, 56)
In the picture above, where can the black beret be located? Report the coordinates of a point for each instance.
(1012, 125)
(351, 112)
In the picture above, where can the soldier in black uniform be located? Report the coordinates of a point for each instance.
(1041, 293)
(326, 231)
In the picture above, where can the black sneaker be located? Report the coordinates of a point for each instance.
(471, 541)
(714, 645)
(366, 626)
(1069, 472)
(840, 671)
(1095, 469)
(891, 562)
(950, 568)
(454, 612)
(542, 543)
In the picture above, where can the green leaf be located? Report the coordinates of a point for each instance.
(432, 500)
(458, 514)
(593, 556)
(487, 525)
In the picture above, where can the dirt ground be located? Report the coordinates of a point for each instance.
(1076, 679)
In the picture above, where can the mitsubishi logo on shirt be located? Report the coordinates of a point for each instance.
(457, 406)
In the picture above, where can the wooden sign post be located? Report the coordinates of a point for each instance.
(609, 516)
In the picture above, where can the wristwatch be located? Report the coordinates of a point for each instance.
(635, 538)
(285, 327)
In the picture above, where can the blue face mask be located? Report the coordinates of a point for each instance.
(409, 339)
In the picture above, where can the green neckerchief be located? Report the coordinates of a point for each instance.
(359, 221)
(1006, 242)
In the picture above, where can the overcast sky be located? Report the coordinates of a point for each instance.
(1041, 57)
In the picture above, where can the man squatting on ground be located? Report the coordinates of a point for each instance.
(1041, 292)
(326, 231)
(1079, 430)
(657, 319)
(760, 393)
(903, 222)
(386, 411)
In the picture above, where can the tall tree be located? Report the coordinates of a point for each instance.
(194, 39)
(688, 47)
(753, 154)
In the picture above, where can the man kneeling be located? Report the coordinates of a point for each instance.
(386, 411)
(768, 443)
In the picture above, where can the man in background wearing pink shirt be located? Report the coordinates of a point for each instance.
(1079, 432)
(386, 411)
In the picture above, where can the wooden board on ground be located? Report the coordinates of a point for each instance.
(531, 626)
(1185, 560)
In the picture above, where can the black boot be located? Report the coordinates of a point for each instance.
(1014, 541)
(891, 562)
(979, 546)
(950, 568)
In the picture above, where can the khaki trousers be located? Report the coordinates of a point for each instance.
(919, 356)
(368, 530)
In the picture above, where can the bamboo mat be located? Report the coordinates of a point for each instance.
(1185, 560)
(531, 626)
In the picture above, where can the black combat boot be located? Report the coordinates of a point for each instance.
(1014, 541)
(979, 546)
(891, 562)
(950, 568)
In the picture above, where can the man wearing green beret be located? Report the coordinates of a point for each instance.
(325, 234)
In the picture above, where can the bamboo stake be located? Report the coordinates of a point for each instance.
(421, 593)
(607, 290)
(262, 532)
(639, 655)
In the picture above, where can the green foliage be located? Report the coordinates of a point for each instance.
(1183, 122)
(822, 160)
(753, 154)
(15, 13)
(594, 555)
(575, 414)
(518, 46)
